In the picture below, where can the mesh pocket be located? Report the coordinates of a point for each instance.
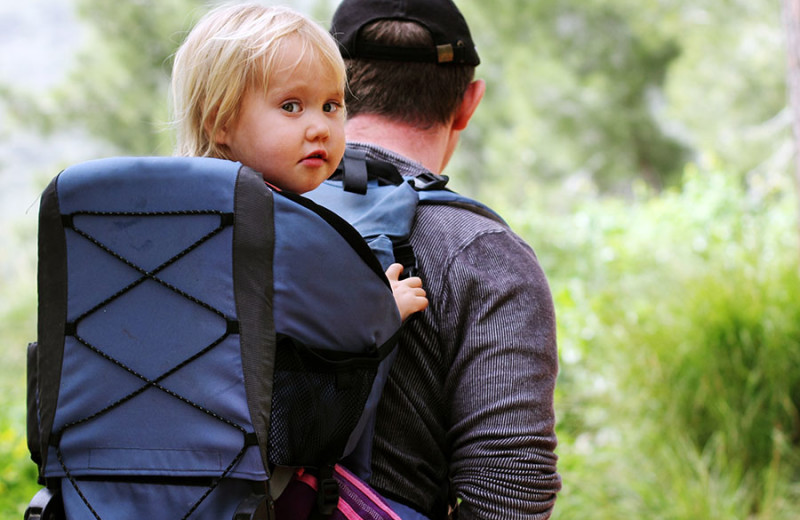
(317, 399)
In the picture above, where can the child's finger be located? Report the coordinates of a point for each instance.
(413, 281)
(394, 271)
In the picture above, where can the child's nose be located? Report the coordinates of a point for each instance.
(318, 128)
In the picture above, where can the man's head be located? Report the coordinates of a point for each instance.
(408, 60)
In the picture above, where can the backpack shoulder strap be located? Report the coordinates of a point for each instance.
(381, 203)
(377, 201)
(445, 196)
(355, 171)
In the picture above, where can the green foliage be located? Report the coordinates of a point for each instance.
(17, 328)
(679, 332)
(679, 326)
(575, 92)
(620, 90)
(17, 472)
(117, 88)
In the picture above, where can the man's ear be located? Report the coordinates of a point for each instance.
(470, 101)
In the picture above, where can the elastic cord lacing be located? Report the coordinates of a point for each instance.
(248, 439)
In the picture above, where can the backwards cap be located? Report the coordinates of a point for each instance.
(452, 40)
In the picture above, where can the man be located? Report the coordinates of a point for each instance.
(468, 410)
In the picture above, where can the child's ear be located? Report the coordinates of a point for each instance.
(218, 135)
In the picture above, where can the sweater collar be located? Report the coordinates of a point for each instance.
(404, 165)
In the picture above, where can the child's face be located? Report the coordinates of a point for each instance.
(294, 134)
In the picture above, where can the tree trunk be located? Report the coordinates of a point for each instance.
(791, 21)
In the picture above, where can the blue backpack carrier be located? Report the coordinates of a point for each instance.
(196, 330)
(381, 203)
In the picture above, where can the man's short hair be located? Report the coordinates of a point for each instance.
(418, 93)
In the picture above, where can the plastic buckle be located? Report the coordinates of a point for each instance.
(327, 496)
(404, 254)
(429, 181)
(255, 507)
(45, 505)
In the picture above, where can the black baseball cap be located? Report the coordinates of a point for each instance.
(452, 40)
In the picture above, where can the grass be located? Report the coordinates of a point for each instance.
(679, 331)
(17, 328)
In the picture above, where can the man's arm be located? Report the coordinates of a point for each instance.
(499, 311)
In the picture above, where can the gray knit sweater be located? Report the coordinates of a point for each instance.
(468, 408)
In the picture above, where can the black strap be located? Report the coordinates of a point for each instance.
(443, 54)
(327, 492)
(47, 504)
(404, 255)
(258, 506)
(355, 171)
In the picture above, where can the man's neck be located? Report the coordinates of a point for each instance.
(427, 147)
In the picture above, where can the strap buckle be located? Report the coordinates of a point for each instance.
(327, 495)
(429, 181)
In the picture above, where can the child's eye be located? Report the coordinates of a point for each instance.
(331, 106)
(291, 106)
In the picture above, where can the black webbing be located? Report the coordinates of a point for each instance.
(232, 327)
(355, 171)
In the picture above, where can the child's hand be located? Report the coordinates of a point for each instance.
(408, 293)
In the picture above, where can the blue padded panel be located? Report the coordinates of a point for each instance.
(138, 184)
(382, 215)
(151, 292)
(367, 316)
(138, 501)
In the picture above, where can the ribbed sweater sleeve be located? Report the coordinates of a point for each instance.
(472, 391)
(468, 407)
(500, 385)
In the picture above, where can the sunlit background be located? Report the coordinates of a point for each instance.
(643, 148)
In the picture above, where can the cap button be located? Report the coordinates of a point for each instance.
(444, 53)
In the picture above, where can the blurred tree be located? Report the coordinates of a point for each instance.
(728, 87)
(117, 87)
(599, 91)
(575, 89)
(616, 90)
(791, 17)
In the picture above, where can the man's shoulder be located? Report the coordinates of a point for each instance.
(449, 229)
(457, 218)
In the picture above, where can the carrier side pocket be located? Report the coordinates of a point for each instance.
(318, 398)
(33, 405)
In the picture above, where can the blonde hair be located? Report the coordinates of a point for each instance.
(231, 49)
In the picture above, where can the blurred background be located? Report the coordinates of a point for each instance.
(644, 148)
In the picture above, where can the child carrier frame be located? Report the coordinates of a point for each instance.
(196, 329)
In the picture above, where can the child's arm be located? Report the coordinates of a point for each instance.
(408, 293)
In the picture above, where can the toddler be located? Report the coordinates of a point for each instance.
(265, 86)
